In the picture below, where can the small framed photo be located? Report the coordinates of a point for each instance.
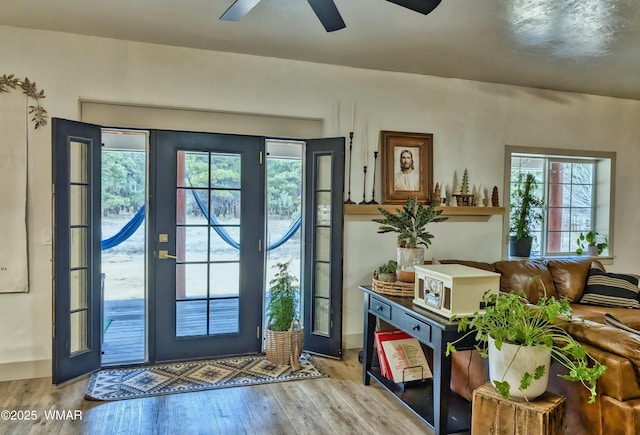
(407, 166)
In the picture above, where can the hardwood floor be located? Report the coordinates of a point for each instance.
(339, 404)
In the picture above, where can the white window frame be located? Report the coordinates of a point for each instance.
(603, 192)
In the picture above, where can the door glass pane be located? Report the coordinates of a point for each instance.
(78, 204)
(191, 206)
(225, 205)
(225, 279)
(78, 283)
(191, 281)
(191, 318)
(224, 318)
(323, 243)
(321, 316)
(78, 248)
(79, 329)
(195, 243)
(323, 205)
(221, 249)
(192, 169)
(323, 179)
(322, 283)
(78, 154)
(225, 171)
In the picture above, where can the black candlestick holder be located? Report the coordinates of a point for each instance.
(364, 185)
(349, 201)
(373, 191)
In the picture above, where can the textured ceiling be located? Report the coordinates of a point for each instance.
(588, 46)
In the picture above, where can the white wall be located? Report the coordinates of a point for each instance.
(471, 123)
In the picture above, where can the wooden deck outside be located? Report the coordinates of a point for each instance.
(124, 338)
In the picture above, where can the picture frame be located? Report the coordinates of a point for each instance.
(407, 166)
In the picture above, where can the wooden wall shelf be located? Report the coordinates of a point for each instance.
(356, 209)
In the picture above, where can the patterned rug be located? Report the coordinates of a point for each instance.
(130, 383)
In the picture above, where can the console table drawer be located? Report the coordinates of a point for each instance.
(380, 308)
(417, 328)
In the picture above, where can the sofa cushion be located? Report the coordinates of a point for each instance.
(521, 275)
(611, 290)
(569, 277)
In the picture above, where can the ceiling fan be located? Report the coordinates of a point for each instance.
(326, 10)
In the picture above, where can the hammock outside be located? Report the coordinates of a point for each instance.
(134, 223)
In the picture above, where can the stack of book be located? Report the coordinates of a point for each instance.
(401, 357)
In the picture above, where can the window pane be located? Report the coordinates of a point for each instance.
(569, 192)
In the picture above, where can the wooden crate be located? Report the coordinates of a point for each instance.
(494, 415)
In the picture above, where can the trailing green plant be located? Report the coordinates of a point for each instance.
(388, 267)
(591, 239)
(284, 297)
(525, 208)
(510, 319)
(410, 222)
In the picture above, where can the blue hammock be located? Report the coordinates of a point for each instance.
(125, 232)
(134, 223)
(224, 234)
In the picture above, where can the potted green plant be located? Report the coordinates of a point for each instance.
(590, 242)
(387, 271)
(284, 336)
(525, 212)
(511, 330)
(410, 223)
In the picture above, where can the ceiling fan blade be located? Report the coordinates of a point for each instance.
(328, 14)
(422, 6)
(238, 9)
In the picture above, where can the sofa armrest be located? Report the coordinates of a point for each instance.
(613, 340)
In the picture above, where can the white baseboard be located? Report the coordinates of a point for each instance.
(352, 341)
(25, 370)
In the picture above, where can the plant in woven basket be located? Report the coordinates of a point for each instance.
(284, 336)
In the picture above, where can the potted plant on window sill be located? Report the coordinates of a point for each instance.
(284, 336)
(520, 339)
(589, 242)
(410, 223)
(525, 212)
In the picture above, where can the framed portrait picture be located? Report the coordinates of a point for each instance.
(407, 166)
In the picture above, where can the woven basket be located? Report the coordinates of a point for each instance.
(284, 347)
(397, 288)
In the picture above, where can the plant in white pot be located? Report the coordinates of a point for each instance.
(525, 213)
(592, 243)
(410, 223)
(284, 336)
(524, 337)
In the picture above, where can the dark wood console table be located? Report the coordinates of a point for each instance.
(432, 401)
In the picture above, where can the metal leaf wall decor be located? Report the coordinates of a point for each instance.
(38, 113)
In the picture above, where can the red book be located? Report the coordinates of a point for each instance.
(380, 337)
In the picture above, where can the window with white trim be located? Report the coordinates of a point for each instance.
(577, 189)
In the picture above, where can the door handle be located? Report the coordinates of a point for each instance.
(163, 254)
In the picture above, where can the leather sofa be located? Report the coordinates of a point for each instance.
(617, 408)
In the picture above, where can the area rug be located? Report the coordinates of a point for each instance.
(131, 383)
